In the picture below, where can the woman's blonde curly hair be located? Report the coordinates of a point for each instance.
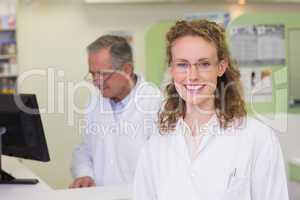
(228, 101)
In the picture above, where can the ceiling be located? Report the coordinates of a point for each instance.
(153, 1)
(204, 1)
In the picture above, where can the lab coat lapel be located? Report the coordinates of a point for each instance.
(104, 119)
(106, 111)
(179, 143)
(206, 139)
(209, 134)
(130, 106)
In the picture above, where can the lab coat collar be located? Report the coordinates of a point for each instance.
(182, 130)
(205, 129)
(128, 103)
(130, 98)
(132, 92)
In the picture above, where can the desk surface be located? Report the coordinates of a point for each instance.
(43, 191)
(14, 167)
(18, 170)
(93, 193)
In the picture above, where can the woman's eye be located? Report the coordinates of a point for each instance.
(182, 65)
(203, 65)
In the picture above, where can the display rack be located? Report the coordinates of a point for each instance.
(8, 54)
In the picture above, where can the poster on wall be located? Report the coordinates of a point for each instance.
(258, 45)
(257, 84)
(219, 17)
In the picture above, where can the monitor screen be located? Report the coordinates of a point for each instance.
(24, 135)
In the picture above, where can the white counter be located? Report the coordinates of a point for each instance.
(42, 191)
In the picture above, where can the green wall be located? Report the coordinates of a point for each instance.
(294, 171)
(155, 49)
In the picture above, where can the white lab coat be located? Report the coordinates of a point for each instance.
(242, 163)
(110, 148)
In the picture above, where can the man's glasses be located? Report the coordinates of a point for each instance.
(102, 75)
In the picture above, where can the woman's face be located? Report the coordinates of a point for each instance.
(195, 68)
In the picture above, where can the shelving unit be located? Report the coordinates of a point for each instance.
(8, 54)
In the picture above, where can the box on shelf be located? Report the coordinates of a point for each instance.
(7, 22)
(8, 85)
(4, 68)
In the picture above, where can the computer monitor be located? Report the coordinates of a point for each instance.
(22, 132)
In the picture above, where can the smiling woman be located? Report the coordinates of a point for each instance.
(212, 82)
(206, 146)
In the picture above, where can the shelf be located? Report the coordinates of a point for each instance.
(8, 30)
(5, 57)
(8, 55)
(8, 75)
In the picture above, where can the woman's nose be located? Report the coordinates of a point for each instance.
(192, 73)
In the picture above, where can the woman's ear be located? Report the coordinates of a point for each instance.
(222, 67)
(170, 71)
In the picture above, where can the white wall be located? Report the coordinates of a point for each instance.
(56, 34)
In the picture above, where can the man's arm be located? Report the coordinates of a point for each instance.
(82, 162)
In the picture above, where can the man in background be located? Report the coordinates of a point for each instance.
(122, 120)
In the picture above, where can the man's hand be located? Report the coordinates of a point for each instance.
(81, 182)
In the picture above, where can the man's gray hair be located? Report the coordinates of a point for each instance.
(120, 49)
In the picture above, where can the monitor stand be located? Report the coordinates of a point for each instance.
(6, 178)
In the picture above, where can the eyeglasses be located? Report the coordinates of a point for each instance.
(184, 66)
(102, 75)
